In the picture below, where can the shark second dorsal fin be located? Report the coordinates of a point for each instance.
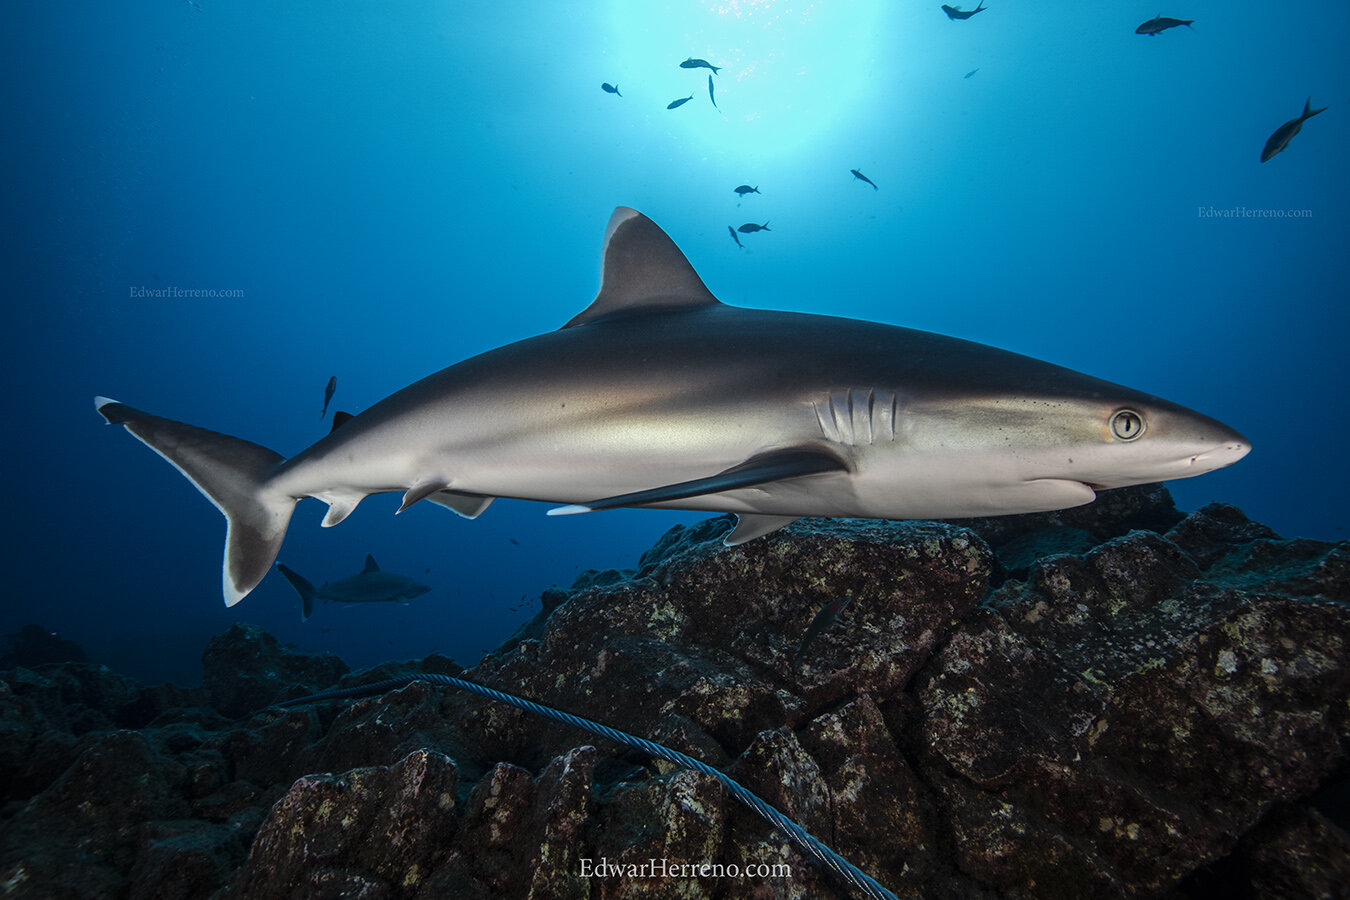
(642, 270)
(371, 565)
(340, 418)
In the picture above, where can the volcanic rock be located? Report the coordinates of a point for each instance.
(1117, 701)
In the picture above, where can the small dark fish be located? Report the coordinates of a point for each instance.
(970, 73)
(751, 228)
(861, 177)
(828, 613)
(710, 94)
(681, 102)
(734, 238)
(1285, 133)
(692, 63)
(610, 89)
(746, 189)
(328, 395)
(954, 12)
(1160, 24)
(514, 541)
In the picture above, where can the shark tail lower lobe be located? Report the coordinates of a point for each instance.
(303, 588)
(232, 474)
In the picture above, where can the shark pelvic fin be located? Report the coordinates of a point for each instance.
(420, 492)
(642, 271)
(232, 474)
(752, 525)
(761, 469)
(470, 506)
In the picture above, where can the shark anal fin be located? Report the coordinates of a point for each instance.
(753, 525)
(767, 467)
(340, 506)
(470, 506)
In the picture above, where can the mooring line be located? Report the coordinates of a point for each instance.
(798, 835)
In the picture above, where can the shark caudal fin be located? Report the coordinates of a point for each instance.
(232, 474)
(303, 588)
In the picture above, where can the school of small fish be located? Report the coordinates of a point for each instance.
(1277, 142)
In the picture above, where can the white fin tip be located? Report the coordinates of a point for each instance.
(571, 510)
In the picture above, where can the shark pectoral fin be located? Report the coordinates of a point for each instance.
(470, 506)
(776, 466)
(420, 492)
(752, 525)
(233, 474)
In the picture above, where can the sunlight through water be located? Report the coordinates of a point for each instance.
(790, 72)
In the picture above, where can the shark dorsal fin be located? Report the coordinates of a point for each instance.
(371, 565)
(643, 270)
(340, 418)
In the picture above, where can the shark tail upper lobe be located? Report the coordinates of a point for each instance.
(232, 473)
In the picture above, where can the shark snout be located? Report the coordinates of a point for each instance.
(1227, 453)
(1218, 446)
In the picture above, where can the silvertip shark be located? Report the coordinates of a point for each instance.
(371, 585)
(659, 395)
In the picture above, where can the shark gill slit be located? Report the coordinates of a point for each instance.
(856, 416)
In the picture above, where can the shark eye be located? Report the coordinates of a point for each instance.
(1128, 425)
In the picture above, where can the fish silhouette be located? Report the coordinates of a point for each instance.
(954, 12)
(328, 395)
(1285, 133)
(692, 63)
(861, 177)
(1159, 24)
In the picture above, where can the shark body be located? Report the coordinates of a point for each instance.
(659, 395)
(370, 585)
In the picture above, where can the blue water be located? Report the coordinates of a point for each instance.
(393, 187)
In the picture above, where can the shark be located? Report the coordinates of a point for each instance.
(657, 394)
(370, 585)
